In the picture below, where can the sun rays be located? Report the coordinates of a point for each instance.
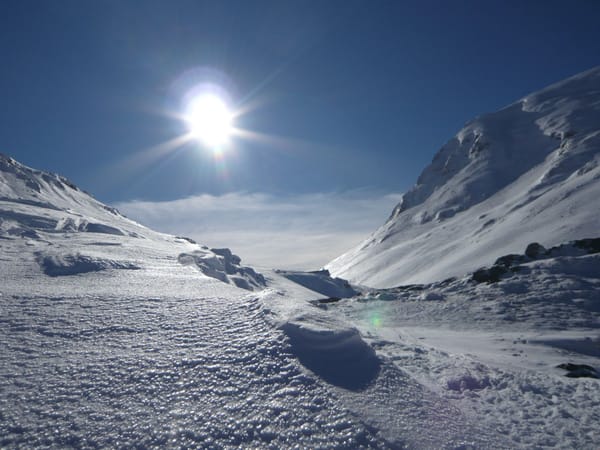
(210, 121)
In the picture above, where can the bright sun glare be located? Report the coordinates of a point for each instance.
(209, 120)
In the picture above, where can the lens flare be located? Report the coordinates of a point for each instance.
(375, 320)
(213, 119)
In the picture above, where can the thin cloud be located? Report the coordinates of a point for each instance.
(293, 231)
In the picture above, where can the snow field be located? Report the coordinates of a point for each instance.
(492, 349)
(190, 363)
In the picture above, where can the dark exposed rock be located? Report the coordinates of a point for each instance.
(328, 300)
(184, 238)
(534, 250)
(590, 245)
(411, 287)
(491, 275)
(510, 260)
(579, 370)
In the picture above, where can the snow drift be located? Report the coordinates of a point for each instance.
(166, 356)
(320, 281)
(223, 265)
(527, 173)
(56, 265)
(334, 352)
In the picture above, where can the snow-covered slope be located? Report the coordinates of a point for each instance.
(527, 173)
(32, 200)
(47, 209)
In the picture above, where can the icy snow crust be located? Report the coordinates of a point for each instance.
(527, 173)
(95, 354)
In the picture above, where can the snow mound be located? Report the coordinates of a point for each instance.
(223, 265)
(333, 352)
(321, 281)
(64, 264)
(45, 208)
(529, 172)
(467, 381)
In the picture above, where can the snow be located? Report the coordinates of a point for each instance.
(65, 264)
(495, 348)
(160, 356)
(95, 354)
(337, 354)
(223, 265)
(113, 335)
(320, 281)
(527, 173)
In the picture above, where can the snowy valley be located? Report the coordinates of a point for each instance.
(471, 318)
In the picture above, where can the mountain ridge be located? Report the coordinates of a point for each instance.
(534, 153)
(50, 212)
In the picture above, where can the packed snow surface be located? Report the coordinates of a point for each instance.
(527, 173)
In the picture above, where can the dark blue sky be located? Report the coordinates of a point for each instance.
(357, 93)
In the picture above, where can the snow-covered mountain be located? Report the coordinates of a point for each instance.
(45, 208)
(527, 173)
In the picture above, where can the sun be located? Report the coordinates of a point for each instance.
(209, 120)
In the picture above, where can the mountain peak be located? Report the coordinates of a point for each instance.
(516, 172)
(33, 202)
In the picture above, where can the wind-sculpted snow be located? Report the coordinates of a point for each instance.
(57, 265)
(33, 201)
(70, 224)
(156, 357)
(527, 173)
(163, 356)
(221, 264)
(379, 393)
(94, 356)
(22, 184)
(336, 354)
(205, 372)
(320, 281)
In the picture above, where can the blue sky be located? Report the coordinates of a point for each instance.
(355, 97)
